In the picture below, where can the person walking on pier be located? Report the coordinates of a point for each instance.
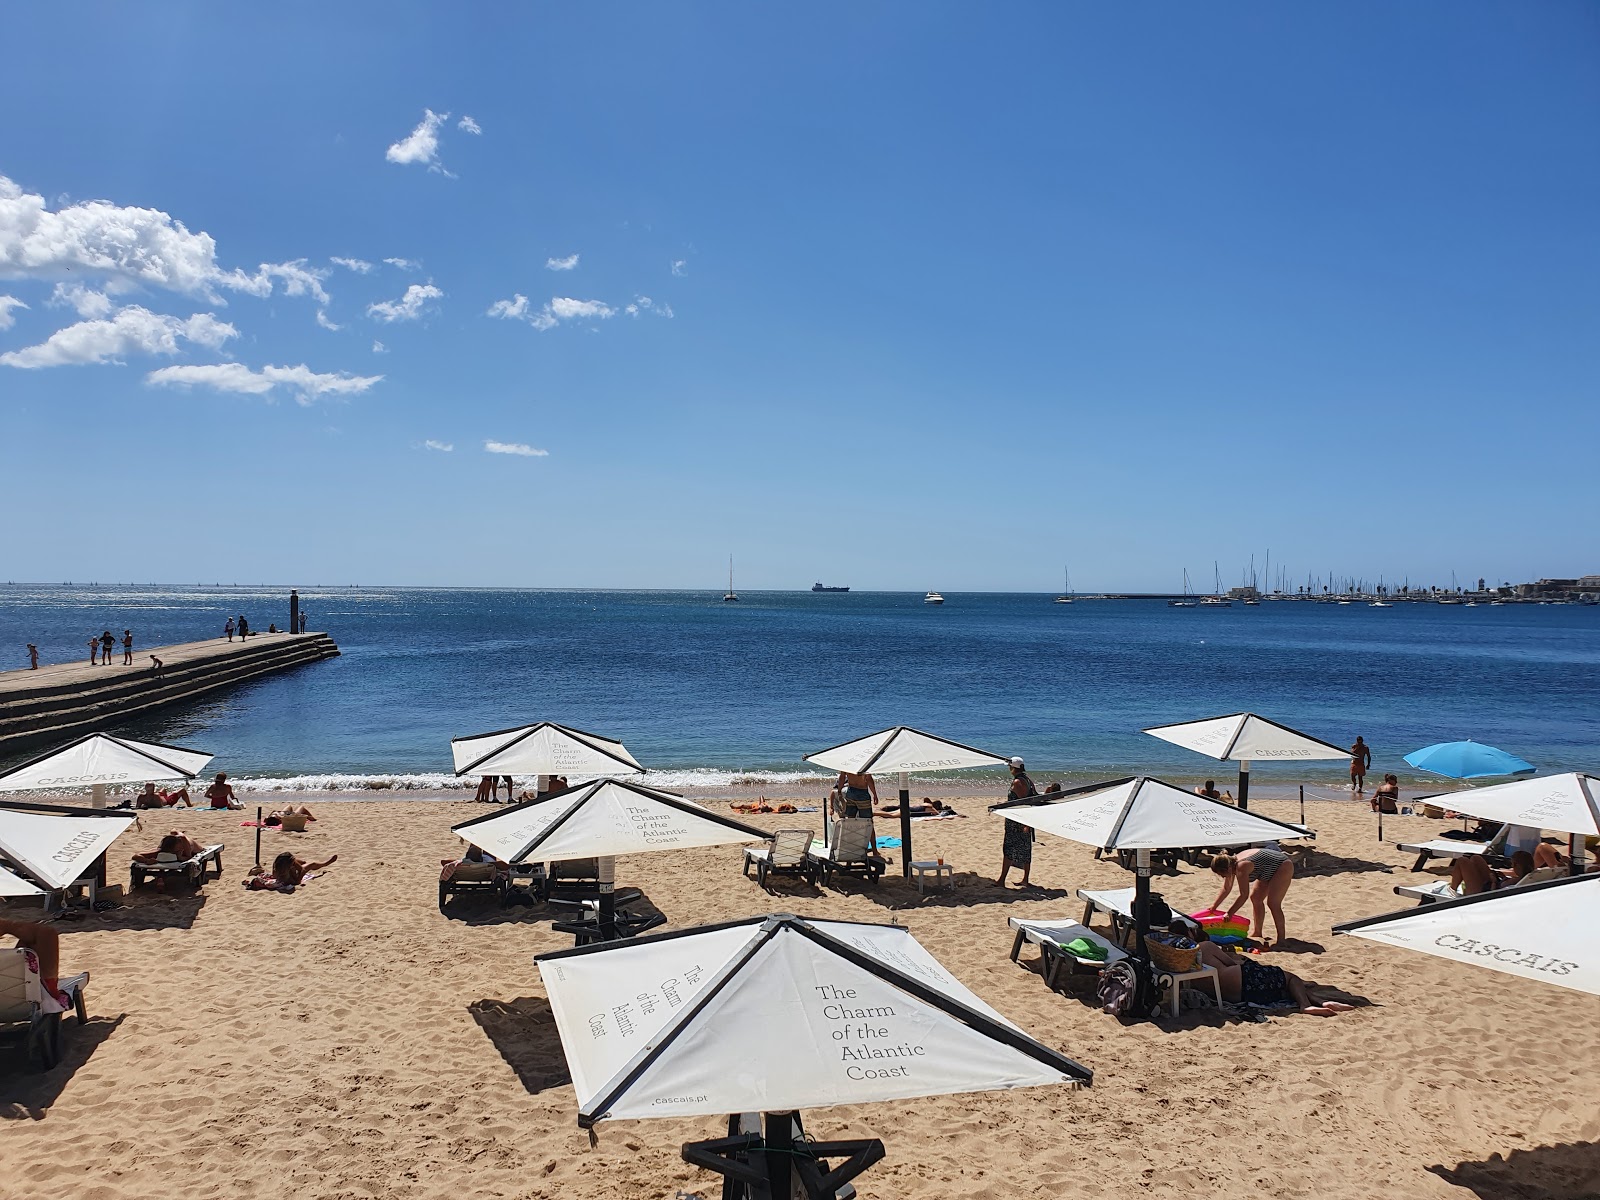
(228, 629)
(244, 628)
(33, 657)
(127, 647)
(107, 641)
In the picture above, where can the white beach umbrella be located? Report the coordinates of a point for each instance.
(1568, 803)
(602, 820)
(1144, 814)
(55, 848)
(774, 1014)
(15, 885)
(100, 760)
(1542, 931)
(1245, 737)
(902, 749)
(542, 749)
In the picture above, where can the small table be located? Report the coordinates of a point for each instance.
(1206, 974)
(939, 870)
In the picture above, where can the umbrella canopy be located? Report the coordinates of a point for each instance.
(1245, 737)
(1567, 803)
(1145, 814)
(101, 759)
(1543, 931)
(778, 1013)
(1467, 760)
(542, 749)
(55, 850)
(902, 749)
(600, 820)
(15, 885)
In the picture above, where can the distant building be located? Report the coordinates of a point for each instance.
(1243, 593)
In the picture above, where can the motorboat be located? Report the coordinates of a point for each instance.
(933, 598)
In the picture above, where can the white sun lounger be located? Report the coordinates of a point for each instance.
(1116, 904)
(170, 864)
(787, 854)
(1052, 936)
(1428, 893)
(1442, 848)
(23, 1001)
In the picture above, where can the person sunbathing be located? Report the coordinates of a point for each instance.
(150, 798)
(1245, 981)
(275, 818)
(288, 873)
(1470, 875)
(471, 855)
(177, 842)
(45, 943)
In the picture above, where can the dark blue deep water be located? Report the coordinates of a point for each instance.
(708, 691)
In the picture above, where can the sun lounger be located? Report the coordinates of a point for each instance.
(194, 869)
(852, 851)
(1052, 937)
(473, 877)
(787, 854)
(1116, 904)
(27, 1009)
(1442, 848)
(1427, 893)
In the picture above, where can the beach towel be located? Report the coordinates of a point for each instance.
(888, 843)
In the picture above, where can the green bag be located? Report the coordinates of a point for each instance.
(1084, 948)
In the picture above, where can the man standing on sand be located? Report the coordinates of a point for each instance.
(33, 657)
(127, 647)
(1360, 763)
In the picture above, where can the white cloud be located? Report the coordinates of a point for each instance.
(378, 347)
(130, 247)
(7, 303)
(643, 304)
(306, 385)
(680, 266)
(561, 264)
(422, 144)
(359, 265)
(468, 125)
(84, 301)
(518, 448)
(405, 264)
(443, 447)
(513, 309)
(298, 279)
(322, 319)
(133, 330)
(408, 307)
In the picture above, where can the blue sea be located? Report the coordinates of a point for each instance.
(712, 693)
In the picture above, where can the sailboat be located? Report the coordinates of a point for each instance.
(1188, 600)
(732, 595)
(1216, 599)
(1066, 587)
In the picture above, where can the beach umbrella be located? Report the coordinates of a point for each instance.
(773, 1014)
(1568, 804)
(1467, 760)
(902, 750)
(1543, 931)
(54, 848)
(544, 748)
(15, 885)
(1143, 814)
(601, 820)
(1246, 737)
(101, 760)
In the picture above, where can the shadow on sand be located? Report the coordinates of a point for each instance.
(144, 909)
(28, 1096)
(1570, 1171)
(524, 1032)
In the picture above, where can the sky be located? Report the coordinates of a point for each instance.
(884, 295)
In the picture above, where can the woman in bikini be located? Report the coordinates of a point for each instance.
(1263, 876)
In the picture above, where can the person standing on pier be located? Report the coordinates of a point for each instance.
(228, 629)
(244, 628)
(127, 647)
(302, 620)
(33, 657)
(107, 641)
(94, 651)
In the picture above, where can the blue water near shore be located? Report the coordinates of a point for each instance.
(710, 691)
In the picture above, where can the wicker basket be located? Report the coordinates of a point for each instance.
(1170, 958)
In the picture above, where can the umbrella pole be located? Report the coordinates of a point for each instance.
(1141, 898)
(258, 835)
(1244, 783)
(607, 915)
(1302, 804)
(905, 824)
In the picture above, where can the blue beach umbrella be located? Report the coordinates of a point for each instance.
(1467, 760)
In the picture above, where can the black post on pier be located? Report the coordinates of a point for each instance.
(294, 611)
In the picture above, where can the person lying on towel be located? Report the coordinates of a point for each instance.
(1247, 981)
(288, 873)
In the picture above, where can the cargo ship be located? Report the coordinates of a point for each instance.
(817, 587)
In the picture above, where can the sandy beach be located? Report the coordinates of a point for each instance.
(350, 1040)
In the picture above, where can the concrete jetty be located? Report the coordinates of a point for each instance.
(57, 703)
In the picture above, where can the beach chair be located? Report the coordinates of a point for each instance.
(1427, 893)
(1052, 936)
(27, 1009)
(1442, 848)
(787, 854)
(169, 865)
(1116, 903)
(473, 877)
(853, 851)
